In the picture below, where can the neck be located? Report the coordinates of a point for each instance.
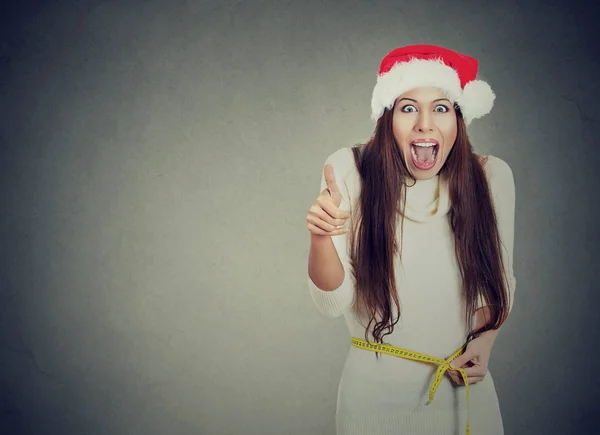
(424, 192)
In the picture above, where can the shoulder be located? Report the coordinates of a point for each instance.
(498, 171)
(341, 157)
(501, 182)
(342, 161)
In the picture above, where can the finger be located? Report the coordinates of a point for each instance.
(461, 360)
(331, 209)
(330, 179)
(318, 212)
(469, 374)
(457, 380)
(475, 371)
(322, 225)
(451, 373)
(454, 376)
(316, 230)
(325, 197)
(471, 380)
(320, 218)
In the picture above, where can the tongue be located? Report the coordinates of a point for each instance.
(424, 153)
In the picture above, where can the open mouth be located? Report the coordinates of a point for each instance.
(424, 154)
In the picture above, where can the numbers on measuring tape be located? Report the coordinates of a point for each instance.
(444, 365)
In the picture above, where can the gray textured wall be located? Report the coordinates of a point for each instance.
(157, 162)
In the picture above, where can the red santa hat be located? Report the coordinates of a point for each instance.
(413, 66)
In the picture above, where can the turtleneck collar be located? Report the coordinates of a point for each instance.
(427, 199)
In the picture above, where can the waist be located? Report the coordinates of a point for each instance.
(443, 364)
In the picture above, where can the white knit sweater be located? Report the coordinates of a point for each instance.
(387, 396)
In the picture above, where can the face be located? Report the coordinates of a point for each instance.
(424, 115)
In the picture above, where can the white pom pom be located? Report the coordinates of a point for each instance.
(477, 100)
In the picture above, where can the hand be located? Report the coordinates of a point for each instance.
(474, 361)
(324, 215)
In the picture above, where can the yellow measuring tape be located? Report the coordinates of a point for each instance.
(444, 365)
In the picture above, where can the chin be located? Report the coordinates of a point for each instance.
(421, 176)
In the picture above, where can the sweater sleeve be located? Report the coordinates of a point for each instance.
(335, 302)
(502, 185)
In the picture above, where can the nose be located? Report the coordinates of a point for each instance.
(424, 122)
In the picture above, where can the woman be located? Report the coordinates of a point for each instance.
(426, 260)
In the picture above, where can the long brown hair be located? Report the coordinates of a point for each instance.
(380, 207)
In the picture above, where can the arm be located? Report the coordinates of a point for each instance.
(324, 266)
(502, 185)
(328, 262)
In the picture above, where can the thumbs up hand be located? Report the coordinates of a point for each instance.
(324, 215)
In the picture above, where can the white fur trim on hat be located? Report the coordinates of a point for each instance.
(477, 100)
(415, 73)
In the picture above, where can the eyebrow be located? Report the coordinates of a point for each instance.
(439, 99)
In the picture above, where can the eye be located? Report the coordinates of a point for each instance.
(446, 109)
(408, 105)
(441, 105)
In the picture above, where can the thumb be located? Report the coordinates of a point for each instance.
(461, 360)
(332, 186)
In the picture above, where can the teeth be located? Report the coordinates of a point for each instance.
(424, 144)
